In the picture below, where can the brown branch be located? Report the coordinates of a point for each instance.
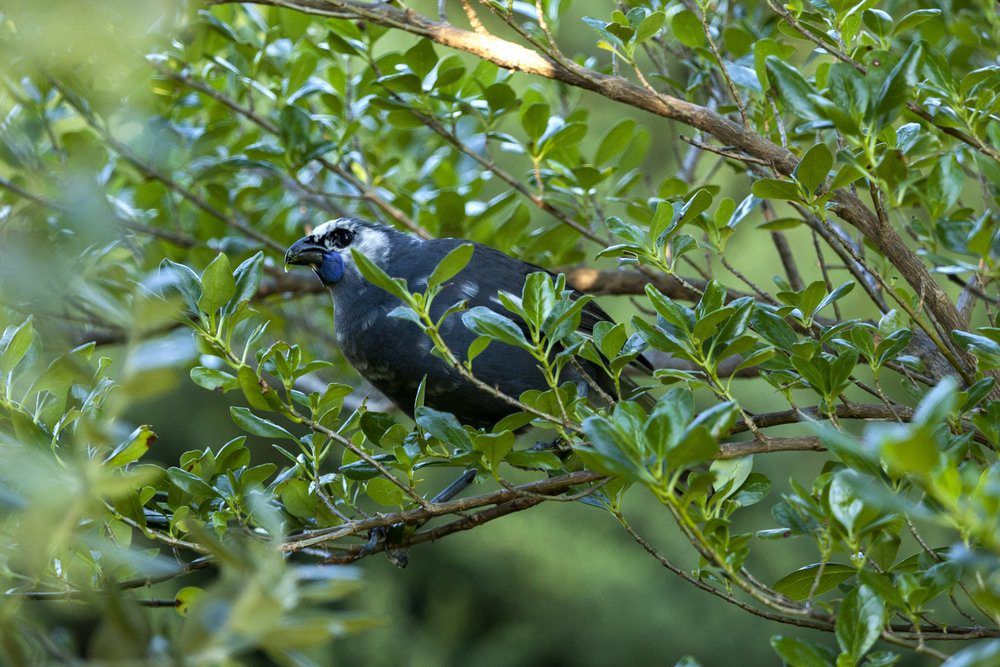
(875, 411)
(510, 55)
(597, 281)
(357, 552)
(723, 152)
(548, 486)
(733, 450)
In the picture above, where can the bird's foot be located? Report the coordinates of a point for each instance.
(559, 446)
(388, 539)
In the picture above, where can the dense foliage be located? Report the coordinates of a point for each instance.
(682, 153)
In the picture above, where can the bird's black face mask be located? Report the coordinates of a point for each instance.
(328, 264)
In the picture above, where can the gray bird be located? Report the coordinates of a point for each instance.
(394, 354)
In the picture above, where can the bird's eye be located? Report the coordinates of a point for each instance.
(341, 238)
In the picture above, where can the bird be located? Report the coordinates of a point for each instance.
(394, 355)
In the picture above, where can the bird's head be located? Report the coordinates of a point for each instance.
(327, 251)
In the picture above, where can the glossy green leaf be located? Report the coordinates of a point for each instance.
(772, 188)
(815, 579)
(251, 423)
(813, 168)
(791, 88)
(889, 99)
(859, 622)
(800, 653)
(217, 284)
(132, 449)
(374, 274)
(14, 344)
(456, 260)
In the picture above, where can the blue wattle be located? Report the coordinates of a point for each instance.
(332, 268)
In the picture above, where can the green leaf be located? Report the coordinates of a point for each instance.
(495, 446)
(133, 449)
(800, 583)
(252, 478)
(374, 274)
(944, 185)
(421, 58)
(755, 359)
(859, 622)
(485, 322)
(847, 89)
(811, 297)
(534, 120)
(937, 404)
(217, 284)
(763, 48)
(792, 89)
(649, 26)
(837, 293)
(663, 427)
(190, 483)
(456, 260)
(812, 170)
(296, 499)
(302, 68)
(247, 277)
(695, 446)
(374, 425)
(729, 475)
(846, 175)
(981, 654)
(611, 446)
(184, 280)
(443, 426)
(895, 89)
(385, 492)
(251, 423)
(186, 598)
(449, 70)
(845, 505)
(799, 653)
(773, 328)
(254, 392)
(213, 380)
(672, 312)
(688, 29)
(615, 140)
(772, 188)
(718, 419)
(698, 203)
(14, 344)
(904, 25)
(910, 450)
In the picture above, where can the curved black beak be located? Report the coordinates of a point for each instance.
(305, 252)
